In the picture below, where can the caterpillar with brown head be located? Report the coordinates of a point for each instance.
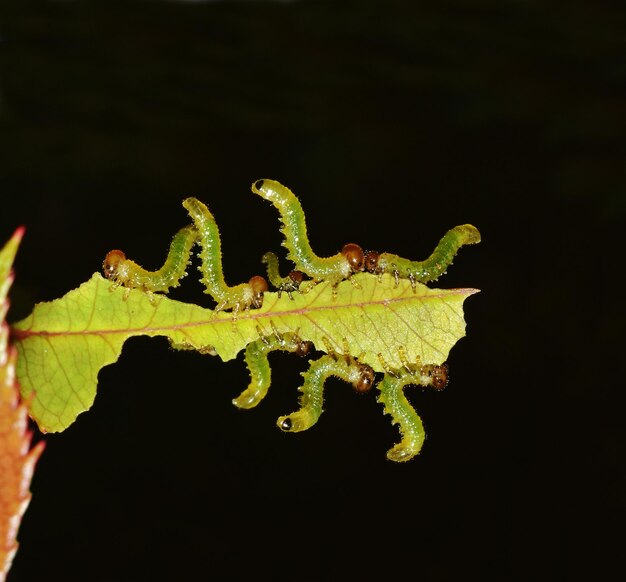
(123, 271)
(333, 269)
(244, 295)
(429, 269)
(348, 369)
(288, 284)
(352, 259)
(403, 414)
(351, 370)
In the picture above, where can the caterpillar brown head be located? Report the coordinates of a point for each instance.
(370, 262)
(354, 256)
(296, 277)
(365, 380)
(112, 263)
(258, 285)
(303, 348)
(439, 376)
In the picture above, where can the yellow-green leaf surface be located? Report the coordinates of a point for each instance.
(63, 344)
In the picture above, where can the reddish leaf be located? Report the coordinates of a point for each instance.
(17, 458)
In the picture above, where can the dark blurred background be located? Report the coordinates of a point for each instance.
(392, 121)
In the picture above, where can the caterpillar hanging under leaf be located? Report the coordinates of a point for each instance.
(361, 377)
(395, 402)
(258, 365)
(351, 260)
(350, 370)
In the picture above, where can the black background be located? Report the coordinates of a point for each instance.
(392, 122)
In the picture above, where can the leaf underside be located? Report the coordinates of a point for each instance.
(63, 344)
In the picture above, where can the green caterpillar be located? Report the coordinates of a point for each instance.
(129, 274)
(287, 284)
(259, 367)
(431, 268)
(334, 269)
(123, 271)
(403, 414)
(245, 295)
(348, 369)
(351, 259)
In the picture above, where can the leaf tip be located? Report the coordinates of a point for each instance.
(19, 233)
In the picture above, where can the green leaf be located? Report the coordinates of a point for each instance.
(63, 344)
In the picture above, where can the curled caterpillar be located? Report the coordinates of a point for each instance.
(333, 269)
(258, 365)
(360, 376)
(431, 268)
(403, 414)
(123, 271)
(241, 296)
(396, 404)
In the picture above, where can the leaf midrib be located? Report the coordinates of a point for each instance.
(21, 334)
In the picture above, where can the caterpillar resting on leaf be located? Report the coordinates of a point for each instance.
(431, 268)
(245, 295)
(332, 269)
(348, 365)
(287, 284)
(351, 259)
(123, 271)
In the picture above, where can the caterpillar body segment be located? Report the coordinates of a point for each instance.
(431, 268)
(242, 296)
(122, 271)
(333, 269)
(259, 367)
